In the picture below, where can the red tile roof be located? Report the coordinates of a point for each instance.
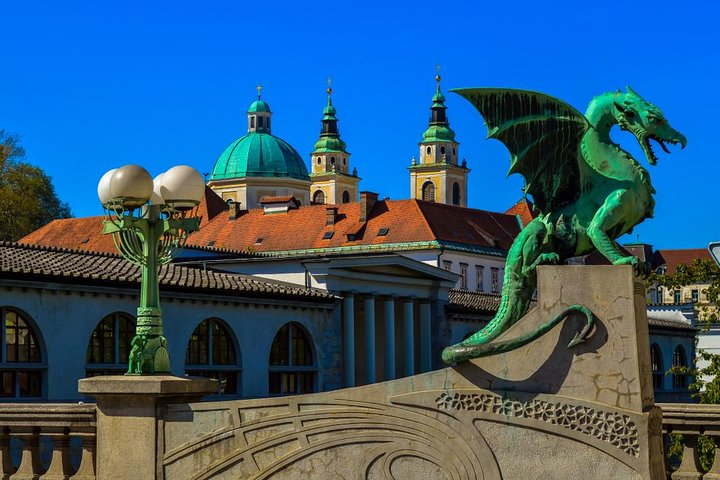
(73, 234)
(32, 262)
(523, 209)
(405, 220)
(670, 259)
(86, 233)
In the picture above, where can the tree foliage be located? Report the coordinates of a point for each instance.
(27, 196)
(706, 379)
(699, 272)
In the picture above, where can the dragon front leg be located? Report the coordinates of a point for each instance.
(615, 211)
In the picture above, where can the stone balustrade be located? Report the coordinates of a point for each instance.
(691, 421)
(25, 425)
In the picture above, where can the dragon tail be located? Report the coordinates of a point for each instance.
(518, 287)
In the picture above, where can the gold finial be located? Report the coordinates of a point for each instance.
(329, 87)
(437, 73)
(259, 89)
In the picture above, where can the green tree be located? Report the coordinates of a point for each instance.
(706, 380)
(27, 196)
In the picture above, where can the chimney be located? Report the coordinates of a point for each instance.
(330, 216)
(234, 210)
(367, 202)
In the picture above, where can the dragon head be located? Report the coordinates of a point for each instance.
(646, 121)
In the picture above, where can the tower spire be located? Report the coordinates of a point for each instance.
(438, 177)
(259, 89)
(332, 181)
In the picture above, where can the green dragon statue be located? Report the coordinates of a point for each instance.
(588, 191)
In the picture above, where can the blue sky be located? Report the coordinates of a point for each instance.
(94, 85)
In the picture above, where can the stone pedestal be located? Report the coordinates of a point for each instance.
(129, 441)
(542, 411)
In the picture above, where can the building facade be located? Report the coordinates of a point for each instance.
(67, 315)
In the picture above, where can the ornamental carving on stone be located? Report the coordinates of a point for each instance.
(614, 428)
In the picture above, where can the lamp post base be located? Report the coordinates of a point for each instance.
(149, 355)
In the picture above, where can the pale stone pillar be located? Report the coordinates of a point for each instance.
(390, 338)
(86, 470)
(6, 467)
(349, 339)
(409, 338)
(30, 467)
(60, 467)
(127, 421)
(370, 339)
(425, 337)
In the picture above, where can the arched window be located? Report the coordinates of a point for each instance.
(679, 360)
(346, 197)
(21, 362)
(428, 150)
(428, 191)
(252, 122)
(442, 150)
(292, 367)
(211, 353)
(656, 366)
(332, 160)
(109, 345)
(319, 197)
(456, 194)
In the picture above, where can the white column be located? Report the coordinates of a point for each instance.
(425, 338)
(389, 338)
(409, 338)
(370, 339)
(349, 339)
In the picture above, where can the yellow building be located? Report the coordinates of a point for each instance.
(438, 177)
(332, 182)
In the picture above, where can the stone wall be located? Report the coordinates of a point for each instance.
(541, 411)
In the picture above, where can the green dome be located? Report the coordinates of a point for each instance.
(259, 106)
(439, 133)
(259, 155)
(329, 111)
(329, 144)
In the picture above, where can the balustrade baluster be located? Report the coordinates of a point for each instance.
(690, 466)
(30, 467)
(6, 467)
(60, 467)
(86, 470)
(714, 473)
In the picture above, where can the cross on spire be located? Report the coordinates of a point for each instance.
(437, 74)
(259, 89)
(329, 85)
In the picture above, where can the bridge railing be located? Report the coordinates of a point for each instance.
(693, 421)
(26, 427)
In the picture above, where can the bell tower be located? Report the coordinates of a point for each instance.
(332, 180)
(438, 176)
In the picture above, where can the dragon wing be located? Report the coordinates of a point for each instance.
(543, 135)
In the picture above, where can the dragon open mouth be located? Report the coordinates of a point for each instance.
(650, 153)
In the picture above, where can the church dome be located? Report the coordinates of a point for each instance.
(259, 155)
(259, 106)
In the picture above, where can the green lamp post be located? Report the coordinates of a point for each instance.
(150, 221)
